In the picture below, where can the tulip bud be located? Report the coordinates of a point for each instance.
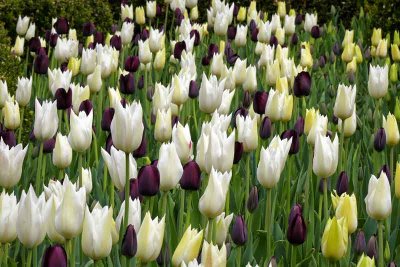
(238, 152)
(61, 26)
(108, 115)
(372, 247)
(299, 126)
(260, 101)
(54, 256)
(360, 245)
(302, 84)
(335, 239)
(62, 153)
(292, 134)
(342, 185)
(265, 128)
(11, 115)
(380, 140)
(132, 63)
(297, 229)
(191, 177)
(252, 201)
(391, 130)
(315, 32)
(239, 231)
(129, 242)
(149, 180)
(378, 200)
(193, 89)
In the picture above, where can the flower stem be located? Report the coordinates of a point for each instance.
(341, 151)
(80, 169)
(21, 126)
(293, 256)
(392, 161)
(210, 230)
(248, 181)
(39, 168)
(181, 211)
(308, 181)
(268, 221)
(71, 248)
(29, 258)
(380, 239)
(326, 210)
(127, 187)
(189, 209)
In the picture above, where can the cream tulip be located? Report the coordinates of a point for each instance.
(346, 207)
(163, 126)
(59, 79)
(226, 101)
(326, 154)
(80, 135)
(134, 216)
(126, 12)
(88, 61)
(391, 129)
(24, 91)
(189, 247)
(222, 224)
(8, 217)
(211, 256)
(378, 81)
(378, 200)
(18, 48)
(62, 152)
(345, 101)
(46, 120)
(22, 25)
(247, 132)
(11, 115)
(79, 94)
(210, 95)
(94, 80)
(170, 167)
(350, 125)
(183, 142)
(145, 54)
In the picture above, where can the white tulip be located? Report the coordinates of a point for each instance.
(24, 91)
(170, 167)
(80, 135)
(326, 154)
(378, 199)
(59, 79)
(8, 217)
(378, 81)
(210, 95)
(46, 120)
(134, 217)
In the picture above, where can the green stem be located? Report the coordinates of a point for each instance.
(60, 114)
(127, 187)
(6, 246)
(188, 209)
(181, 211)
(308, 181)
(293, 256)
(60, 174)
(248, 181)
(66, 121)
(166, 17)
(239, 256)
(268, 221)
(71, 248)
(39, 167)
(21, 126)
(29, 258)
(326, 210)
(392, 161)
(380, 239)
(80, 169)
(210, 230)
(96, 152)
(341, 151)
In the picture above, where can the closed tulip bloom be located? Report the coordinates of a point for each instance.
(274, 108)
(335, 239)
(239, 71)
(150, 238)
(212, 202)
(97, 233)
(191, 176)
(217, 64)
(145, 54)
(319, 126)
(80, 135)
(326, 155)
(22, 25)
(272, 72)
(366, 261)
(54, 256)
(69, 214)
(46, 120)
(162, 98)
(372, 247)
(395, 52)
(378, 200)
(350, 124)
(180, 86)
(18, 48)
(378, 81)
(4, 95)
(222, 224)
(24, 91)
(149, 180)
(226, 102)
(306, 57)
(241, 35)
(62, 153)
(272, 161)
(127, 32)
(94, 80)
(156, 40)
(348, 37)
(211, 91)
(183, 142)
(346, 207)
(289, 24)
(65, 49)
(391, 130)
(189, 247)
(297, 229)
(348, 52)
(11, 115)
(239, 231)
(310, 21)
(129, 242)
(8, 217)
(221, 27)
(380, 140)
(381, 49)
(212, 256)
(134, 217)
(159, 60)
(139, 15)
(88, 61)
(79, 95)
(360, 245)
(126, 12)
(129, 119)
(250, 84)
(11, 161)
(170, 167)
(247, 132)
(163, 126)
(74, 65)
(59, 79)
(311, 115)
(151, 9)
(345, 101)
(30, 221)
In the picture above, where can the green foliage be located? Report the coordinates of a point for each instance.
(10, 67)
(384, 14)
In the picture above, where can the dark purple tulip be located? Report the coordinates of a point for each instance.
(205, 61)
(302, 84)
(315, 32)
(109, 143)
(127, 83)
(239, 231)
(86, 106)
(260, 101)
(235, 9)
(34, 44)
(108, 115)
(295, 39)
(252, 201)
(116, 42)
(299, 125)
(212, 49)
(64, 99)
(47, 35)
(252, 25)
(297, 229)
(114, 27)
(273, 41)
(149, 180)
(178, 16)
(163, 257)
(254, 35)
(132, 63)
(372, 247)
(342, 185)
(193, 89)
(123, 102)
(8, 137)
(196, 35)
(238, 152)
(191, 177)
(336, 49)
(240, 111)
(246, 99)
(295, 146)
(54, 256)
(322, 61)
(385, 168)
(335, 120)
(129, 242)
(231, 33)
(140, 83)
(48, 145)
(134, 190)
(41, 63)
(178, 49)
(144, 35)
(99, 38)
(88, 28)
(230, 55)
(380, 140)
(174, 121)
(265, 128)
(53, 40)
(158, 10)
(61, 26)
(64, 66)
(360, 245)
(299, 19)
(92, 46)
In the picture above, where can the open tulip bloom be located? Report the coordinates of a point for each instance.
(227, 136)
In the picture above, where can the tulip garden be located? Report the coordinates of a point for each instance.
(248, 139)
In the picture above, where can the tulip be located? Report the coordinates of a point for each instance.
(150, 238)
(180, 84)
(182, 141)
(162, 128)
(54, 256)
(250, 83)
(212, 256)
(348, 37)
(268, 170)
(107, 59)
(360, 246)
(134, 217)
(151, 8)
(74, 65)
(62, 153)
(366, 261)
(22, 25)
(345, 101)
(80, 135)
(372, 247)
(395, 52)
(59, 79)
(18, 48)
(275, 105)
(381, 49)
(319, 127)
(79, 95)
(30, 219)
(188, 248)
(380, 140)
(247, 132)
(393, 73)
(115, 162)
(169, 166)
(126, 12)
(12, 118)
(378, 81)
(239, 231)
(211, 92)
(310, 21)
(346, 207)
(342, 184)
(88, 61)
(306, 57)
(4, 95)
(70, 212)
(149, 180)
(156, 40)
(98, 225)
(302, 84)
(212, 202)
(46, 120)
(350, 125)
(391, 130)
(311, 115)
(139, 15)
(226, 101)
(241, 35)
(191, 176)
(8, 217)
(129, 119)
(239, 71)
(217, 64)
(378, 200)
(335, 239)
(297, 229)
(24, 91)
(94, 80)
(129, 242)
(272, 72)
(159, 60)
(326, 155)
(65, 49)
